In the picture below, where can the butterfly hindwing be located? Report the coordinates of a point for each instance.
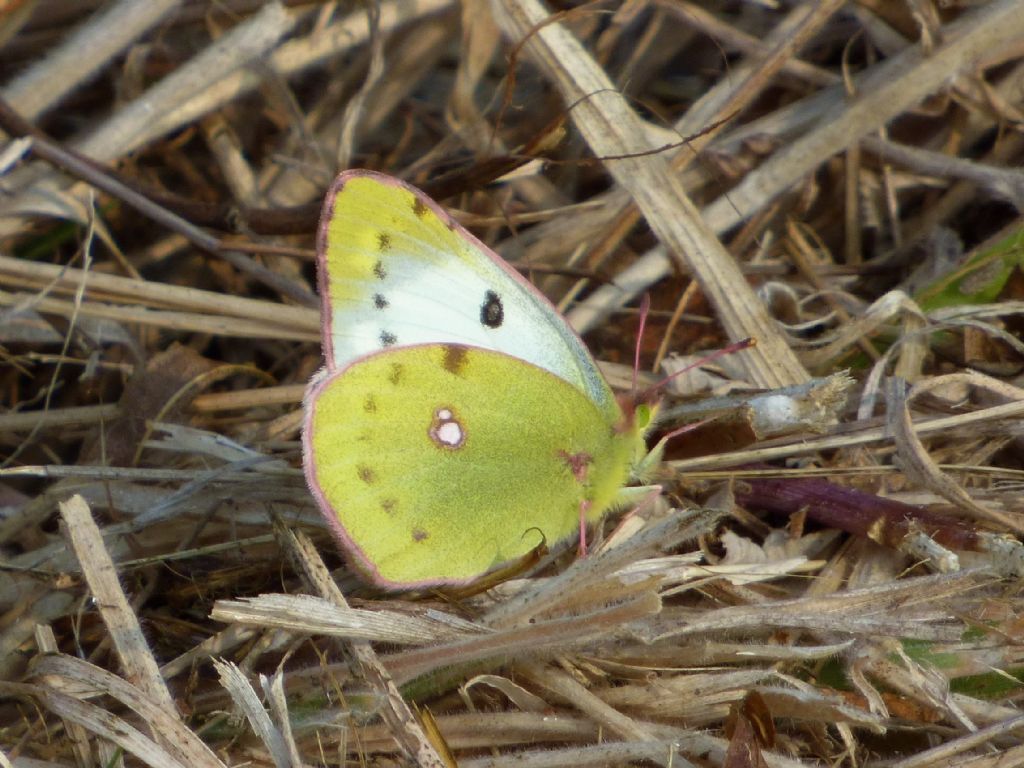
(434, 474)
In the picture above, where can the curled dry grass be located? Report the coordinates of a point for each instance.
(838, 179)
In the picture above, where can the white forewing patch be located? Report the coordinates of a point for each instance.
(428, 296)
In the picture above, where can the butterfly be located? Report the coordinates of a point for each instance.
(459, 422)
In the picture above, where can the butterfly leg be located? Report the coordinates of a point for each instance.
(579, 465)
(584, 509)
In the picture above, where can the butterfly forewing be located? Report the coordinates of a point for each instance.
(396, 270)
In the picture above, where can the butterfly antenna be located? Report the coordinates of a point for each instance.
(736, 346)
(645, 310)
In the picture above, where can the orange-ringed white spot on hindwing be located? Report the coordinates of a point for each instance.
(446, 430)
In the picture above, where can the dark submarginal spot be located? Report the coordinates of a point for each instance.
(396, 373)
(455, 358)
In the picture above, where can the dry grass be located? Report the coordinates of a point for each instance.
(838, 179)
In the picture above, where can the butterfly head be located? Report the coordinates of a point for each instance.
(639, 410)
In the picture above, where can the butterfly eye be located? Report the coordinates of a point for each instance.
(644, 415)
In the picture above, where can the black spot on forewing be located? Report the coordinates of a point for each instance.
(492, 313)
(379, 271)
(388, 339)
(454, 358)
(379, 301)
